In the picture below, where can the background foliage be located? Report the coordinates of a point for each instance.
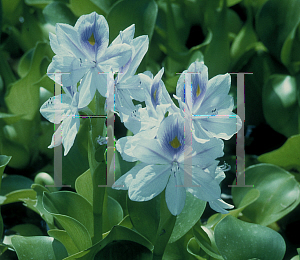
(259, 36)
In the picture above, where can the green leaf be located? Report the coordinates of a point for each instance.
(17, 196)
(278, 18)
(244, 41)
(58, 12)
(23, 96)
(280, 105)
(190, 215)
(118, 233)
(287, 156)
(145, 216)
(233, 2)
(84, 184)
(27, 230)
(279, 193)
(216, 56)
(104, 5)
(38, 247)
(72, 205)
(112, 214)
(251, 196)
(4, 160)
(63, 237)
(142, 13)
(289, 51)
(14, 182)
(237, 240)
(205, 238)
(79, 7)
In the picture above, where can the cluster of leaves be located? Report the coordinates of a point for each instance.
(259, 36)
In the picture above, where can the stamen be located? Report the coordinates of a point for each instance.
(175, 143)
(198, 91)
(154, 95)
(92, 40)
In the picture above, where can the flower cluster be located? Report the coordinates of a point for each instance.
(176, 147)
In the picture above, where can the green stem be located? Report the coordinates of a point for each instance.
(165, 228)
(98, 169)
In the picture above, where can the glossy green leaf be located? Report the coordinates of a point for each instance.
(287, 156)
(38, 247)
(142, 13)
(24, 64)
(251, 196)
(278, 18)
(4, 160)
(63, 237)
(216, 56)
(13, 183)
(58, 12)
(237, 240)
(179, 249)
(104, 5)
(290, 54)
(190, 215)
(112, 214)
(27, 230)
(145, 216)
(244, 41)
(79, 7)
(23, 97)
(9, 118)
(205, 237)
(17, 196)
(37, 204)
(279, 193)
(118, 233)
(194, 249)
(84, 184)
(280, 105)
(70, 204)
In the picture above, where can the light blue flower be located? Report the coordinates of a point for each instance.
(128, 85)
(83, 52)
(63, 108)
(162, 166)
(209, 103)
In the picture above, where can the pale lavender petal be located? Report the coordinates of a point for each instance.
(55, 108)
(175, 196)
(149, 182)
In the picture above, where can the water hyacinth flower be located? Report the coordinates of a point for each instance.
(83, 52)
(128, 85)
(63, 107)
(210, 104)
(162, 167)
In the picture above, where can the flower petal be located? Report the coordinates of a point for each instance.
(151, 152)
(124, 182)
(67, 37)
(224, 125)
(149, 182)
(175, 196)
(115, 56)
(70, 127)
(87, 87)
(207, 188)
(219, 205)
(55, 108)
(97, 25)
(56, 137)
(69, 67)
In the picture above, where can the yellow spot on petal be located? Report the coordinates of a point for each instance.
(92, 40)
(154, 95)
(198, 91)
(175, 143)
